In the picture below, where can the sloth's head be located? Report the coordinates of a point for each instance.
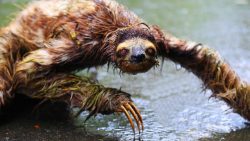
(136, 51)
(136, 55)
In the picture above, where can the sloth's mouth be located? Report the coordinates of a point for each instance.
(131, 67)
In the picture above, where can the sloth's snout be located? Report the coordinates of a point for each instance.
(138, 54)
(138, 58)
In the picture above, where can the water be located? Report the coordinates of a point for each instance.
(171, 101)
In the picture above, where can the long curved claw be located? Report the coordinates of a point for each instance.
(138, 113)
(135, 113)
(138, 122)
(129, 118)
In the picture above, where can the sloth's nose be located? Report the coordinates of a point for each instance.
(138, 54)
(138, 58)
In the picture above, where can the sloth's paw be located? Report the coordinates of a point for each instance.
(109, 101)
(129, 108)
(121, 102)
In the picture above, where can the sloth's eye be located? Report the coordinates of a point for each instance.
(150, 51)
(122, 52)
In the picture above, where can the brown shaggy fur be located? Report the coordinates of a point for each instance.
(50, 39)
(208, 65)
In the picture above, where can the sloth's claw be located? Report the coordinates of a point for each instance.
(135, 114)
(138, 122)
(129, 118)
(138, 113)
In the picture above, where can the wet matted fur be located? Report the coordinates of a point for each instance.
(46, 42)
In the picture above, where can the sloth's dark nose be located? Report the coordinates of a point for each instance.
(138, 54)
(138, 58)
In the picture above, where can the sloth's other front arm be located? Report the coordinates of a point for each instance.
(208, 65)
(50, 59)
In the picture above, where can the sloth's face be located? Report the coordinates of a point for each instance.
(136, 55)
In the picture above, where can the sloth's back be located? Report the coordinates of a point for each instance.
(42, 20)
(35, 23)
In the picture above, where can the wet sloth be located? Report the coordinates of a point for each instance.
(46, 42)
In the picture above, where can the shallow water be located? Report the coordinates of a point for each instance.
(172, 103)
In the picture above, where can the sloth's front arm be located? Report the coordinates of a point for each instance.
(208, 65)
(85, 94)
(44, 61)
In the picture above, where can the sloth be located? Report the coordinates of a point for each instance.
(51, 39)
